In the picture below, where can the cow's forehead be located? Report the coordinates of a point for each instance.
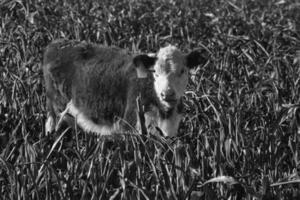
(169, 59)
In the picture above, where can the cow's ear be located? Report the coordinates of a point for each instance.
(143, 64)
(196, 58)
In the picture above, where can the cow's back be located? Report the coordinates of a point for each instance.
(98, 79)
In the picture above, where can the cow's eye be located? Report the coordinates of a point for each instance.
(182, 72)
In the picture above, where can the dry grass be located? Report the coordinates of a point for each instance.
(240, 136)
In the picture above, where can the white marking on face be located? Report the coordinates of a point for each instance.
(170, 75)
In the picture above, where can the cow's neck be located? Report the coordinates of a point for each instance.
(170, 125)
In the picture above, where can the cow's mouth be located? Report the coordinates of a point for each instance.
(170, 102)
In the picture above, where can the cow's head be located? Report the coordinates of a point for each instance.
(170, 72)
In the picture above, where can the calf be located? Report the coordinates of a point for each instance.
(98, 86)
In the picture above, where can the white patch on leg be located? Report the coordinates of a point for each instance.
(50, 125)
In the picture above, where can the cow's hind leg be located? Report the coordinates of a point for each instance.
(65, 119)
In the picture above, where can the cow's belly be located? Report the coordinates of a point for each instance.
(87, 124)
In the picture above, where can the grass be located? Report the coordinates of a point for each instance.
(240, 135)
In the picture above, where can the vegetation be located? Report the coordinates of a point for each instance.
(240, 135)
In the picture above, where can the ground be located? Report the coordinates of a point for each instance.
(240, 135)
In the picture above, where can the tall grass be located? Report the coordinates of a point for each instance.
(240, 135)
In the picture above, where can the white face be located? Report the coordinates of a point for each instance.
(170, 76)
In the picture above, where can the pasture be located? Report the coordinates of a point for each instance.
(240, 135)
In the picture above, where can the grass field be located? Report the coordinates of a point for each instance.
(241, 132)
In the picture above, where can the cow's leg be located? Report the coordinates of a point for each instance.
(127, 124)
(63, 117)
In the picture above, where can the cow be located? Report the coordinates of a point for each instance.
(96, 86)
